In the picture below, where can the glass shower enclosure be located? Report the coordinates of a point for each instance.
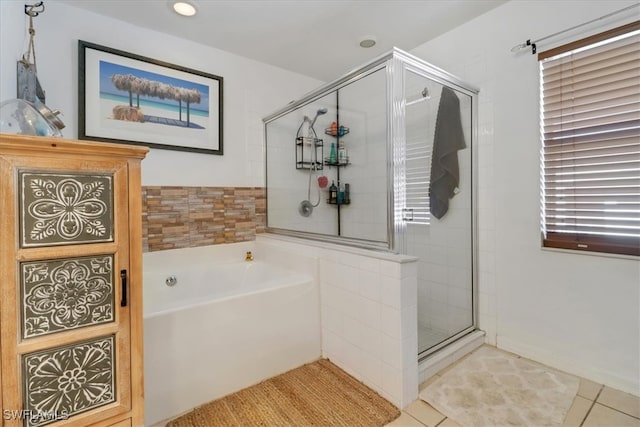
(384, 159)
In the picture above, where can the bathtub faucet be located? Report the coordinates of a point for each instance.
(248, 256)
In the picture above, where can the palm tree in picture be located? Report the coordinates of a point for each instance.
(177, 93)
(156, 89)
(162, 91)
(140, 87)
(153, 88)
(190, 96)
(124, 82)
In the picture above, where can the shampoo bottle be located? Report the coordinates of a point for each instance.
(342, 153)
(333, 158)
(333, 193)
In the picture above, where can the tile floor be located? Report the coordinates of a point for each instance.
(594, 406)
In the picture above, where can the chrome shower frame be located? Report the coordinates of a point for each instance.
(395, 63)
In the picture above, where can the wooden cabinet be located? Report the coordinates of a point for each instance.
(70, 283)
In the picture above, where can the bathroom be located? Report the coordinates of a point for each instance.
(575, 312)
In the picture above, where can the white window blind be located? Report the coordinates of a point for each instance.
(590, 126)
(418, 168)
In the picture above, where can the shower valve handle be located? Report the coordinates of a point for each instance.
(406, 217)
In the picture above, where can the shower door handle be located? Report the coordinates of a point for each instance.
(123, 280)
(406, 211)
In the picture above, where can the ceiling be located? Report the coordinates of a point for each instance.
(317, 38)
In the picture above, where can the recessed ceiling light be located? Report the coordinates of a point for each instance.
(367, 41)
(184, 8)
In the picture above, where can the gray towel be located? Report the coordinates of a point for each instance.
(448, 139)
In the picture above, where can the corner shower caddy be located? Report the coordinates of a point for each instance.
(337, 133)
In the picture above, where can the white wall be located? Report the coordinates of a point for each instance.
(252, 89)
(577, 312)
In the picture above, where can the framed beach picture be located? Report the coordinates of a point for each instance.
(132, 99)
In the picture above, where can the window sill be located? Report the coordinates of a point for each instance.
(591, 253)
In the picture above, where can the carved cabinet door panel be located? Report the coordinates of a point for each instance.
(64, 311)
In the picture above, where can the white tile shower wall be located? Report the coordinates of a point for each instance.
(288, 186)
(571, 311)
(368, 314)
(363, 110)
(370, 311)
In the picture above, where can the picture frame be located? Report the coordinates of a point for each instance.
(131, 99)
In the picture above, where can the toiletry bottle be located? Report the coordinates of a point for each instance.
(334, 128)
(333, 158)
(340, 193)
(347, 189)
(333, 193)
(342, 153)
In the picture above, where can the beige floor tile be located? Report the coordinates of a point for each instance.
(449, 423)
(601, 416)
(588, 389)
(405, 420)
(577, 412)
(424, 413)
(623, 402)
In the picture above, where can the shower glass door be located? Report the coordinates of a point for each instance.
(406, 130)
(349, 132)
(439, 231)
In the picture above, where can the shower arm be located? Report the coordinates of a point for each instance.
(313, 123)
(319, 113)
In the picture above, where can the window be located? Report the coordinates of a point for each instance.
(590, 126)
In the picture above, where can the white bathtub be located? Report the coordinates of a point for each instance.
(224, 326)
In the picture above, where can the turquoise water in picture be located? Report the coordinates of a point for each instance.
(161, 105)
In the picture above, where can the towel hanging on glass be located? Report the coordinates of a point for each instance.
(448, 139)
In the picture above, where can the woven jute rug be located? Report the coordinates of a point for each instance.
(316, 394)
(494, 388)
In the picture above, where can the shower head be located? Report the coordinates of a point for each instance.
(320, 112)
